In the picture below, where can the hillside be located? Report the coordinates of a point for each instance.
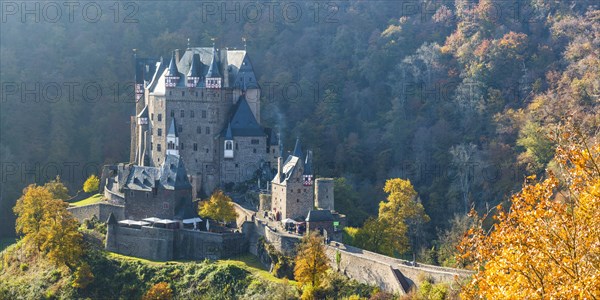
(440, 98)
(122, 277)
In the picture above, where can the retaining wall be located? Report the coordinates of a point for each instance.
(101, 210)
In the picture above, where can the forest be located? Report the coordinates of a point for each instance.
(460, 97)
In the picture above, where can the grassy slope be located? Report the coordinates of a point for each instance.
(251, 264)
(91, 200)
(247, 262)
(124, 277)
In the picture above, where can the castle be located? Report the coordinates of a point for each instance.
(197, 128)
(203, 106)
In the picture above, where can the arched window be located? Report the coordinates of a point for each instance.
(228, 145)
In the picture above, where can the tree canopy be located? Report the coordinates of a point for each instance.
(546, 245)
(91, 184)
(311, 261)
(218, 207)
(47, 226)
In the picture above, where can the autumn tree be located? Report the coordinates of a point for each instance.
(546, 245)
(58, 189)
(47, 226)
(373, 236)
(218, 207)
(159, 291)
(400, 212)
(61, 241)
(30, 210)
(311, 262)
(91, 184)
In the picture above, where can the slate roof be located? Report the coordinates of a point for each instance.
(245, 78)
(319, 216)
(243, 122)
(292, 161)
(172, 70)
(238, 71)
(308, 164)
(228, 134)
(174, 175)
(213, 70)
(171, 176)
(143, 113)
(173, 128)
(195, 67)
(145, 68)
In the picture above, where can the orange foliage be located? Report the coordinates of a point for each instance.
(547, 246)
(159, 291)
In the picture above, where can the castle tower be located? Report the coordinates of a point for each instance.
(172, 139)
(291, 197)
(324, 193)
(195, 72)
(213, 76)
(142, 130)
(228, 146)
(203, 106)
(172, 76)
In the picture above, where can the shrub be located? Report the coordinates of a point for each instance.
(159, 291)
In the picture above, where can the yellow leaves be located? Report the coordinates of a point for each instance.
(311, 261)
(91, 184)
(548, 244)
(218, 207)
(159, 291)
(48, 226)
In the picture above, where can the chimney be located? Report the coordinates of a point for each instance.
(280, 161)
(177, 57)
(280, 168)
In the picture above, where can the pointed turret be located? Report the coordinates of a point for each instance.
(307, 176)
(172, 76)
(172, 139)
(213, 70)
(195, 73)
(228, 147)
(172, 129)
(213, 76)
(228, 134)
(173, 66)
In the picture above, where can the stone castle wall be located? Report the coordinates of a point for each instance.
(164, 205)
(100, 210)
(386, 272)
(248, 152)
(324, 193)
(168, 244)
(147, 242)
(365, 270)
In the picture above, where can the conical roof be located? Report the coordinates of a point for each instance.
(213, 70)
(196, 67)
(172, 128)
(172, 71)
